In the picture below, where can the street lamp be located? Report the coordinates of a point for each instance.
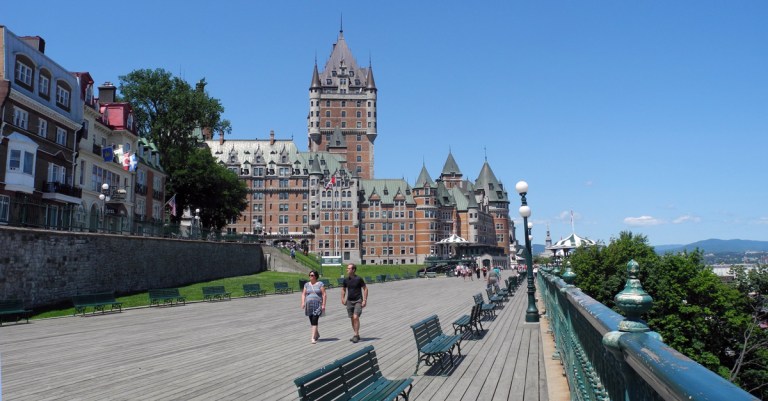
(197, 221)
(104, 197)
(532, 313)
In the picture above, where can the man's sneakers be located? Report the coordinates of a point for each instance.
(355, 339)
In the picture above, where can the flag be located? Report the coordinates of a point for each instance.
(172, 203)
(134, 162)
(331, 183)
(126, 161)
(108, 154)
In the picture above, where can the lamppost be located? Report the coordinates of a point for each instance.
(532, 313)
(104, 197)
(197, 222)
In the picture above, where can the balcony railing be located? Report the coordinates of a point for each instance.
(608, 357)
(158, 195)
(141, 189)
(64, 189)
(97, 149)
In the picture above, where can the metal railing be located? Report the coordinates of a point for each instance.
(606, 356)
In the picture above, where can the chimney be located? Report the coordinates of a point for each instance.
(207, 135)
(271, 137)
(35, 41)
(107, 93)
(221, 137)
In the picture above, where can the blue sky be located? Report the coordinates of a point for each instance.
(645, 116)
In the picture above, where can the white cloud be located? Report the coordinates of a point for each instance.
(642, 221)
(687, 219)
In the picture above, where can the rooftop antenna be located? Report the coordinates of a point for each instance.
(573, 228)
(485, 151)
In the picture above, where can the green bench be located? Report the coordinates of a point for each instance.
(97, 301)
(354, 377)
(340, 281)
(165, 296)
(469, 323)
(15, 309)
(497, 300)
(432, 345)
(327, 284)
(215, 292)
(368, 280)
(281, 287)
(253, 290)
(489, 310)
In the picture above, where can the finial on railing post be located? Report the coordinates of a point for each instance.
(634, 301)
(569, 276)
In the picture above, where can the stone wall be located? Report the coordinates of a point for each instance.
(45, 267)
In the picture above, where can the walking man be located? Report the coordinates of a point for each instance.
(354, 294)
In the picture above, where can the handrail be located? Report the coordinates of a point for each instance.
(607, 356)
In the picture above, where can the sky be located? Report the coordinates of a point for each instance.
(641, 116)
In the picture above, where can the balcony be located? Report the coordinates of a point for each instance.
(141, 189)
(62, 192)
(97, 149)
(158, 195)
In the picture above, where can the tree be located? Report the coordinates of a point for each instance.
(696, 313)
(217, 192)
(751, 363)
(168, 110)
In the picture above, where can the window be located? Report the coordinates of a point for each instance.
(359, 148)
(328, 102)
(5, 207)
(62, 96)
(23, 73)
(61, 136)
(20, 118)
(56, 173)
(343, 113)
(16, 162)
(42, 127)
(359, 158)
(359, 124)
(343, 124)
(327, 113)
(43, 85)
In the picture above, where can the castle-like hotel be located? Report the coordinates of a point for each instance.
(328, 202)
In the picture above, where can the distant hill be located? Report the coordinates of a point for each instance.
(717, 245)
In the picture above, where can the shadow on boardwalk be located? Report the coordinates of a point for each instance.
(253, 348)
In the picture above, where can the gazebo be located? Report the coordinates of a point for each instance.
(562, 248)
(449, 246)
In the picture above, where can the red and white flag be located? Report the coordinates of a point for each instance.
(331, 183)
(172, 203)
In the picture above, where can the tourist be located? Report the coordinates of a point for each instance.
(354, 294)
(313, 302)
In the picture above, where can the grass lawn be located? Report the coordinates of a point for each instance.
(194, 292)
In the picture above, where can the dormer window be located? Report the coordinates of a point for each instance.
(24, 73)
(89, 94)
(232, 159)
(333, 73)
(329, 81)
(352, 73)
(129, 122)
(62, 95)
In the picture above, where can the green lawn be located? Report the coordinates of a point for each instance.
(194, 292)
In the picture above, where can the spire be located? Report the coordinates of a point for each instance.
(424, 178)
(450, 166)
(371, 82)
(315, 77)
(341, 23)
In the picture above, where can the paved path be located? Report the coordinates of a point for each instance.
(253, 348)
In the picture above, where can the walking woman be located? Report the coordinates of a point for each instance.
(313, 302)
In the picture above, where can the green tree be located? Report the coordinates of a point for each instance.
(694, 311)
(203, 183)
(167, 111)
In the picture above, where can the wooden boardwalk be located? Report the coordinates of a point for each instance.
(253, 348)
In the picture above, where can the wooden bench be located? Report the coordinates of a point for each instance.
(98, 302)
(488, 310)
(281, 287)
(15, 309)
(253, 290)
(214, 292)
(168, 296)
(354, 377)
(432, 345)
(469, 323)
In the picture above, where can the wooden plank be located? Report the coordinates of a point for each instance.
(253, 348)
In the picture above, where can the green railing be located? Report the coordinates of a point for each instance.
(606, 356)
